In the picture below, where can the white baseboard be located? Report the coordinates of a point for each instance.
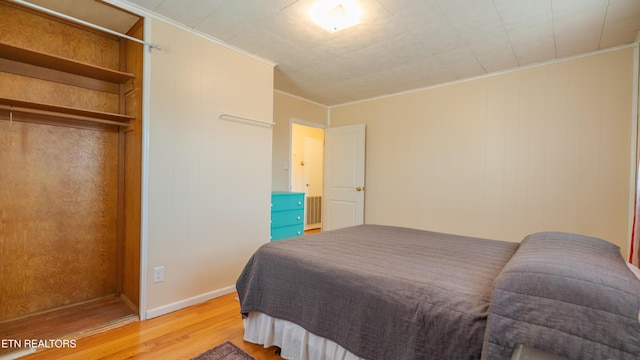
(165, 309)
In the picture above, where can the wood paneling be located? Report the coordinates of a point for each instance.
(59, 185)
(57, 202)
(133, 171)
(50, 35)
(30, 89)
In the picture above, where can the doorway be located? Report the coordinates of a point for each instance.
(307, 153)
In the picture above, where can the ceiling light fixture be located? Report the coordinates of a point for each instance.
(335, 15)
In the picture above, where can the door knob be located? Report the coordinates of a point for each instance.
(359, 188)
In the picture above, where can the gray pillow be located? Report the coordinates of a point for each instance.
(566, 294)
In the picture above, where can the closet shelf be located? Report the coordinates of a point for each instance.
(14, 108)
(58, 63)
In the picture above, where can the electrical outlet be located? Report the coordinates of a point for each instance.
(158, 274)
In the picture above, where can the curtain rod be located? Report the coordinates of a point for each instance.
(85, 23)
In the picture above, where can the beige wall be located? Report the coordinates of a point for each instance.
(208, 179)
(288, 108)
(542, 148)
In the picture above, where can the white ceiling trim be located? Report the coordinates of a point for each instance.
(299, 97)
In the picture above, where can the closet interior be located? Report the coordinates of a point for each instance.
(70, 173)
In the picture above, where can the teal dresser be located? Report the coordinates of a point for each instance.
(287, 214)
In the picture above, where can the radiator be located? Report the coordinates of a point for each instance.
(314, 210)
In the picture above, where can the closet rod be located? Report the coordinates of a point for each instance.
(85, 23)
(228, 116)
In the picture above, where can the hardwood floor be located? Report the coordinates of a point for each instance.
(72, 321)
(179, 335)
(312, 231)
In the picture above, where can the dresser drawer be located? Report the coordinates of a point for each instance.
(286, 232)
(287, 202)
(286, 218)
(287, 215)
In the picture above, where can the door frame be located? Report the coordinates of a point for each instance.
(303, 123)
(290, 156)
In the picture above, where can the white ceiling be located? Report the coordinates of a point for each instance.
(403, 44)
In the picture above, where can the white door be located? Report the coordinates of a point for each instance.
(343, 177)
(313, 166)
(313, 157)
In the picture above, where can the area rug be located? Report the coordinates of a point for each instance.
(226, 351)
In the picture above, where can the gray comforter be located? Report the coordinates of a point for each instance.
(381, 292)
(395, 293)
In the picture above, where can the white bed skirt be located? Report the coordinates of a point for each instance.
(295, 342)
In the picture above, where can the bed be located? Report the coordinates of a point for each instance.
(382, 292)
